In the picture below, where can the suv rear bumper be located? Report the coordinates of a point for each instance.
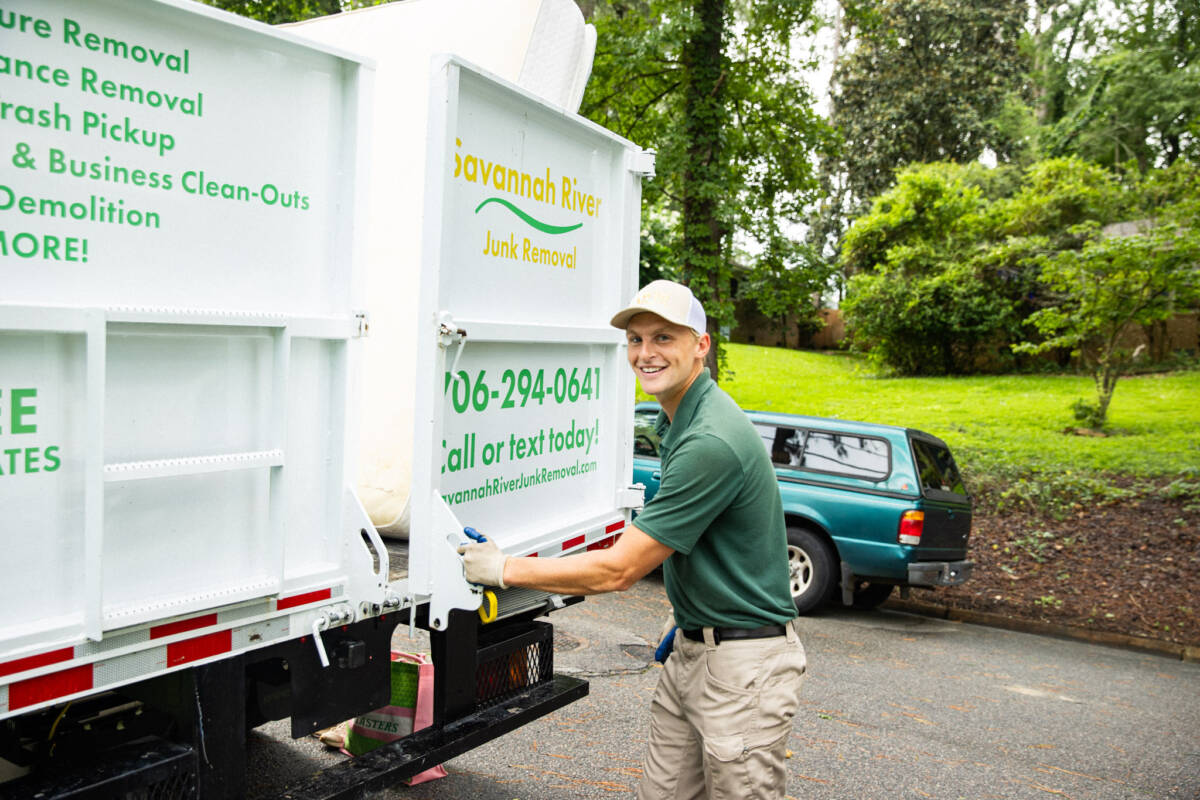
(939, 573)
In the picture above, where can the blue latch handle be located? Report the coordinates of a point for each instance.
(474, 534)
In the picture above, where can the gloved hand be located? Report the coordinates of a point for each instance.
(484, 562)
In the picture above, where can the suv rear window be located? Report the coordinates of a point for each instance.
(823, 451)
(847, 454)
(936, 468)
(784, 445)
(646, 441)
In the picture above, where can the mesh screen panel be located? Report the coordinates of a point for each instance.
(501, 676)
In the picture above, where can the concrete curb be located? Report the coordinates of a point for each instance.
(1183, 652)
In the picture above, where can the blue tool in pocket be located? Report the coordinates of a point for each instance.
(665, 646)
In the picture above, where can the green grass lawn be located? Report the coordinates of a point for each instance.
(1005, 424)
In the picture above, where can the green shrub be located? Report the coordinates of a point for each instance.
(1056, 491)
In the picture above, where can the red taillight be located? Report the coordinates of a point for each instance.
(911, 525)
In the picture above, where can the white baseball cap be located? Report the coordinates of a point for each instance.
(672, 301)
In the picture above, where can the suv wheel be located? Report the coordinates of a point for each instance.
(810, 569)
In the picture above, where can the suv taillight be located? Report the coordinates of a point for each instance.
(911, 525)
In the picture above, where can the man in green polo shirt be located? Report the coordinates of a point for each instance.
(723, 709)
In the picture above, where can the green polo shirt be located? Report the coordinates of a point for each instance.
(718, 508)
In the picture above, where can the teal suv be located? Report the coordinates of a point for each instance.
(869, 507)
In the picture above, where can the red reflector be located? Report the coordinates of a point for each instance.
(912, 523)
(198, 648)
(603, 544)
(569, 543)
(303, 599)
(49, 687)
(616, 526)
(172, 628)
(40, 660)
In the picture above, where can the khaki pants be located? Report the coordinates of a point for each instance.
(720, 719)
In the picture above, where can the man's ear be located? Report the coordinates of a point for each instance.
(704, 345)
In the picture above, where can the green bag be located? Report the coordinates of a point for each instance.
(411, 709)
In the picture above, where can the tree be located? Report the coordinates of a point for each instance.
(934, 324)
(1063, 35)
(924, 299)
(920, 81)
(1108, 284)
(702, 187)
(712, 86)
(783, 293)
(1120, 81)
(1059, 193)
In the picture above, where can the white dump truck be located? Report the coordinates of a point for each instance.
(281, 312)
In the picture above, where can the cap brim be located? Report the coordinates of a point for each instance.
(621, 319)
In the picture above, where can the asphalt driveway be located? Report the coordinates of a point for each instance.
(895, 706)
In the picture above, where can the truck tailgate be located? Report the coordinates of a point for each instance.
(947, 529)
(524, 430)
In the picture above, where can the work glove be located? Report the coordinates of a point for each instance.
(483, 562)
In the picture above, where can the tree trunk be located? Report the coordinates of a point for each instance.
(1158, 340)
(1107, 385)
(704, 119)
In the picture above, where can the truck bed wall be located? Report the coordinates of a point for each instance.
(176, 333)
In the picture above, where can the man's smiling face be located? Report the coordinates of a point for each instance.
(665, 357)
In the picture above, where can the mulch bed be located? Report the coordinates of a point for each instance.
(1131, 567)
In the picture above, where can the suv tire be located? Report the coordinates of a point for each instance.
(810, 569)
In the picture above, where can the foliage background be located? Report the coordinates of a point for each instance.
(996, 425)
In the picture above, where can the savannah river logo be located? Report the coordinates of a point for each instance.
(525, 191)
(530, 221)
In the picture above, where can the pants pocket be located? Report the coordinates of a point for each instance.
(779, 697)
(733, 669)
(734, 771)
(725, 748)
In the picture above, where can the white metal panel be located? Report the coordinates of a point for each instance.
(185, 543)
(42, 490)
(530, 236)
(161, 327)
(184, 187)
(218, 382)
(314, 539)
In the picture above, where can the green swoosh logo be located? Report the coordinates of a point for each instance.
(538, 224)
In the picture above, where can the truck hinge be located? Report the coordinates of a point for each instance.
(450, 334)
(362, 321)
(640, 162)
(633, 497)
(448, 331)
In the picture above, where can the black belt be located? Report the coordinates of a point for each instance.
(765, 632)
